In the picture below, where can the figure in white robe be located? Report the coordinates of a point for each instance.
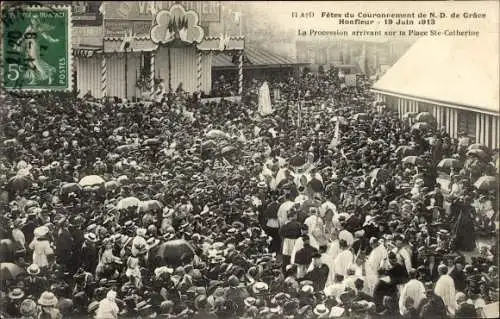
(332, 251)
(413, 289)
(373, 263)
(265, 107)
(341, 264)
(445, 288)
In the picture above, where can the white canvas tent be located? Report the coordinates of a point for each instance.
(449, 76)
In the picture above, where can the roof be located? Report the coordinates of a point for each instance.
(254, 58)
(457, 71)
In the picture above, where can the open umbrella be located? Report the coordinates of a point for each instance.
(342, 120)
(409, 115)
(297, 161)
(421, 126)
(315, 185)
(478, 153)
(112, 157)
(486, 183)
(449, 163)
(70, 188)
(91, 180)
(415, 160)
(404, 150)
(174, 253)
(151, 142)
(150, 206)
(9, 271)
(361, 116)
(128, 202)
(217, 134)
(228, 150)
(380, 174)
(126, 148)
(111, 185)
(425, 117)
(208, 144)
(478, 146)
(19, 182)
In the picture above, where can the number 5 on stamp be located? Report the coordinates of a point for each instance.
(36, 49)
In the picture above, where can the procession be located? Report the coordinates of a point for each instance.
(308, 197)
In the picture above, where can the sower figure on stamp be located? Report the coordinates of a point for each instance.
(39, 70)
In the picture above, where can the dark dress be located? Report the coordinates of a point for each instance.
(318, 275)
(381, 290)
(463, 229)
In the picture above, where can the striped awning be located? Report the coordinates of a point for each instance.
(86, 52)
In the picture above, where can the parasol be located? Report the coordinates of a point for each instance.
(112, 157)
(297, 161)
(415, 160)
(151, 142)
(228, 150)
(486, 183)
(404, 150)
(478, 146)
(126, 148)
(217, 134)
(342, 120)
(174, 253)
(380, 174)
(19, 182)
(9, 271)
(70, 187)
(409, 115)
(425, 117)
(449, 163)
(421, 126)
(128, 202)
(208, 144)
(111, 185)
(315, 185)
(150, 206)
(91, 180)
(478, 153)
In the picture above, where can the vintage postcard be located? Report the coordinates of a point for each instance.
(249, 159)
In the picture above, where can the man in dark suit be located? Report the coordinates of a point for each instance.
(319, 274)
(465, 309)
(458, 275)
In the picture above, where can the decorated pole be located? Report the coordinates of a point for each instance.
(104, 82)
(240, 74)
(152, 72)
(198, 71)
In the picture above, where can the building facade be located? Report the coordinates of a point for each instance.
(444, 77)
(134, 49)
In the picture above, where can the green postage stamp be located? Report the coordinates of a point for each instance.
(36, 50)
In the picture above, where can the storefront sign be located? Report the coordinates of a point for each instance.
(208, 11)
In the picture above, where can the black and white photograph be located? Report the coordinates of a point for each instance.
(249, 159)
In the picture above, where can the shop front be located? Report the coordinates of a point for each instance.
(144, 46)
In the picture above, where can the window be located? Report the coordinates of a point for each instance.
(467, 122)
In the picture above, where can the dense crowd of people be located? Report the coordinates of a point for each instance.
(329, 207)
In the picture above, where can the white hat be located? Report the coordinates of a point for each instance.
(320, 310)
